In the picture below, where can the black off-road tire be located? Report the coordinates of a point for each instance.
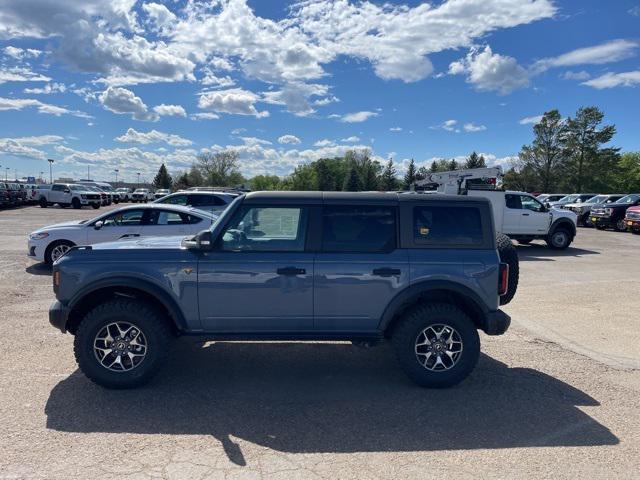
(149, 321)
(409, 329)
(509, 255)
(43, 202)
(601, 227)
(75, 203)
(95, 206)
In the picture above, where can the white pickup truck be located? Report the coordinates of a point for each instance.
(518, 215)
(68, 195)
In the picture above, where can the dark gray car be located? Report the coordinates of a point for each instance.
(420, 270)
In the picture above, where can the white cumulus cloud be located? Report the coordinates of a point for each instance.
(153, 136)
(289, 140)
(234, 101)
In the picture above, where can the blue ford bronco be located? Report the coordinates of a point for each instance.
(423, 271)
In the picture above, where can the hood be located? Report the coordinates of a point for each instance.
(634, 209)
(73, 223)
(143, 243)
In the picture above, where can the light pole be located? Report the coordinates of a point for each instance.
(116, 170)
(138, 186)
(88, 172)
(50, 160)
(6, 173)
(41, 173)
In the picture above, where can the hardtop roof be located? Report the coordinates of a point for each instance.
(295, 197)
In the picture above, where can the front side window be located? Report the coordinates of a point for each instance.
(266, 229)
(127, 218)
(530, 203)
(358, 228)
(447, 225)
(629, 199)
(58, 188)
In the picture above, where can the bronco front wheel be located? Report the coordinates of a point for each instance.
(122, 343)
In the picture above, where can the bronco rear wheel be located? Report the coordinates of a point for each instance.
(122, 343)
(436, 344)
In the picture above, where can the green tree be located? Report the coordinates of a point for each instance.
(220, 169)
(409, 176)
(452, 165)
(422, 173)
(545, 157)
(583, 141)
(265, 182)
(303, 178)
(475, 161)
(367, 169)
(627, 175)
(352, 181)
(388, 180)
(162, 178)
(325, 178)
(182, 181)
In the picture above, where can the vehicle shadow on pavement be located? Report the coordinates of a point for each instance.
(542, 253)
(38, 269)
(321, 398)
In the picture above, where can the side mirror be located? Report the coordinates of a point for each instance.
(66, 190)
(547, 205)
(202, 241)
(98, 225)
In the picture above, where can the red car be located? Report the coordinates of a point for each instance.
(632, 219)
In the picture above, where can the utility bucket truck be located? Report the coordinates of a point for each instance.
(518, 215)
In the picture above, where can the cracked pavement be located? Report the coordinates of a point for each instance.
(557, 396)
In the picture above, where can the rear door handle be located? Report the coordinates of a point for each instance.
(291, 271)
(387, 272)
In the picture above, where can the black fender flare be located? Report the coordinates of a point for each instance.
(563, 222)
(411, 293)
(156, 291)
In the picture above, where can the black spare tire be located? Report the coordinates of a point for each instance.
(509, 255)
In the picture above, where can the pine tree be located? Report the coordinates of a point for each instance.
(453, 165)
(388, 180)
(352, 182)
(410, 176)
(162, 178)
(475, 161)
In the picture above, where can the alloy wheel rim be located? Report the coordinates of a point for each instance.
(58, 251)
(120, 346)
(438, 347)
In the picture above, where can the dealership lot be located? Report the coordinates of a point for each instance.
(558, 395)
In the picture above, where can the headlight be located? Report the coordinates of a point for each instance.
(608, 211)
(579, 210)
(38, 236)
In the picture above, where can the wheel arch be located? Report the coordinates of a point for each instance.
(434, 291)
(127, 287)
(563, 222)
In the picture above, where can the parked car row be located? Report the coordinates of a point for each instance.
(13, 194)
(617, 211)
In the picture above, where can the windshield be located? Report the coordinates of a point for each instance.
(227, 211)
(569, 198)
(629, 199)
(597, 199)
(106, 188)
(78, 188)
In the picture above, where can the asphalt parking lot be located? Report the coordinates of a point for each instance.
(557, 396)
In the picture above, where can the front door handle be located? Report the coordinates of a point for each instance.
(130, 235)
(525, 214)
(291, 271)
(386, 272)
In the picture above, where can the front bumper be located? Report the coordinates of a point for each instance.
(632, 223)
(35, 250)
(603, 221)
(59, 315)
(496, 323)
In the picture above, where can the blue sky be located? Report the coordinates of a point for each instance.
(130, 84)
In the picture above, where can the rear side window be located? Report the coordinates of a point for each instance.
(205, 201)
(447, 225)
(358, 228)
